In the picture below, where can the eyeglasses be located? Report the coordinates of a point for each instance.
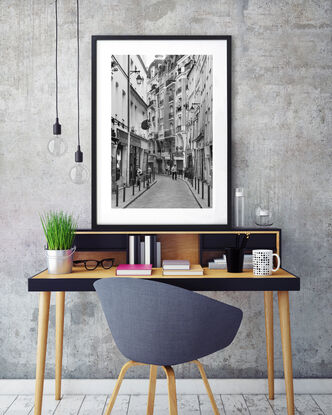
(91, 264)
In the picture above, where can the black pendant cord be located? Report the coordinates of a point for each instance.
(56, 60)
(57, 125)
(79, 153)
(78, 73)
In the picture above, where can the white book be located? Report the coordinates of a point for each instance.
(147, 247)
(176, 264)
(213, 265)
(216, 265)
(142, 247)
(194, 270)
(220, 260)
(133, 269)
(131, 249)
(133, 273)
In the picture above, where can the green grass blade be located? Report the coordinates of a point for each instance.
(59, 229)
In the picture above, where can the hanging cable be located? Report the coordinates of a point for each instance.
(56, 58)
(56, 149)
(78, 174)
(78, 70)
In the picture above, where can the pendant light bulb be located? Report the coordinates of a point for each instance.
(57, 146)
(79, 174)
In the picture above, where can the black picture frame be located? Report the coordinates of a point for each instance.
(158, 227)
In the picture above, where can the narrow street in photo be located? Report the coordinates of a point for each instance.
(166, 193)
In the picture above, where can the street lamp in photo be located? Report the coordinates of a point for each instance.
(139, 79)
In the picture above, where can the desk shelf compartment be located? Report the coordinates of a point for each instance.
(213, 245)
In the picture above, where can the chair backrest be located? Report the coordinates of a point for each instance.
(157, 323)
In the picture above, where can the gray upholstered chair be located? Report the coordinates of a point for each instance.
(158, 324)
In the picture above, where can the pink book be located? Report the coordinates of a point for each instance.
(134, 269)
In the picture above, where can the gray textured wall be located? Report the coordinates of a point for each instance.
(282, 97)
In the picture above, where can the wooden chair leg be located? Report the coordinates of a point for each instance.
(152, 389)
(173, 409)
(123, 371)
(207, 386)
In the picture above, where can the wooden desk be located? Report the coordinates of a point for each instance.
(213, 280)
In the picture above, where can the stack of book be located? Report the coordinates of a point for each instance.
(181, 267)
(134, 269)
(218, 263)
(221, 263)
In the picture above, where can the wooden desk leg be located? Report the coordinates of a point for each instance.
(268, 305)
(43, 316)
(283, 298)
(59, 317)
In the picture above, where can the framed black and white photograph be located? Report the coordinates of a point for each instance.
(161, 132)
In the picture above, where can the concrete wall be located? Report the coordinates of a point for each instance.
(282, 98)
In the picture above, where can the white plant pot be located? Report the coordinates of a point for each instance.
(60, 261)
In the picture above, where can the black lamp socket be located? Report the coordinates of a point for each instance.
(79, 155)
(57, 127)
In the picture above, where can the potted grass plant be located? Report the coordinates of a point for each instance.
(59, 229)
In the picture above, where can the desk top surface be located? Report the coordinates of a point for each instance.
(212, 280)
(99, 272)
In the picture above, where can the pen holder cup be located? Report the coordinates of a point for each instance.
(234, 258)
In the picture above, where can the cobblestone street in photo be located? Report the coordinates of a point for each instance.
(167, 193)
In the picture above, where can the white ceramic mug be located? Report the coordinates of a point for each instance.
(262, 261)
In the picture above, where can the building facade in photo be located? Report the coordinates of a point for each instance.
(166, 97)
(129, 110)
(180, 99)
(199, 152)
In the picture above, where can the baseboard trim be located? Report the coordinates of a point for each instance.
(183, 386)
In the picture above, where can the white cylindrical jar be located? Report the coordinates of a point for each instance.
(239, 207)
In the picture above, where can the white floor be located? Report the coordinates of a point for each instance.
(187, 405)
